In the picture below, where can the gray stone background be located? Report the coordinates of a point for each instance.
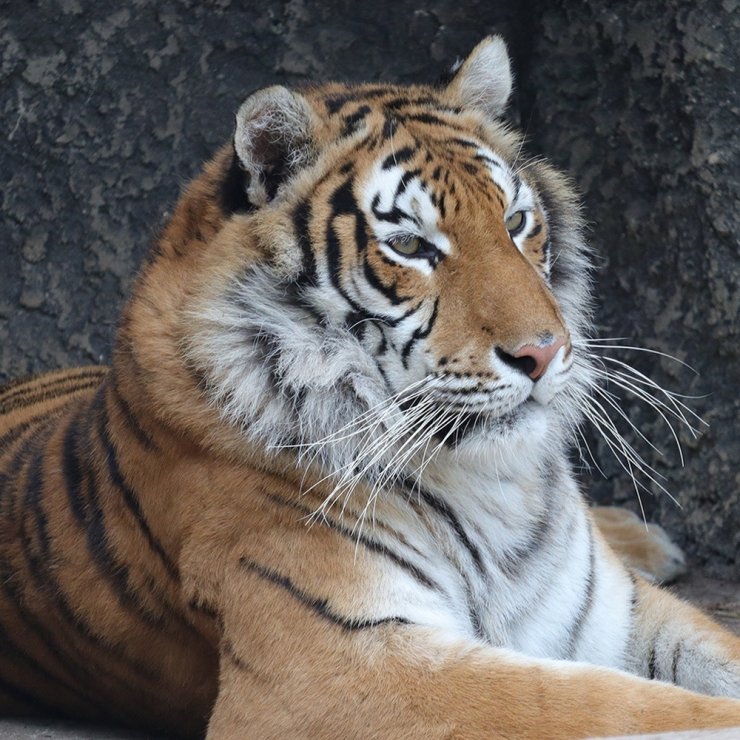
(108, 108)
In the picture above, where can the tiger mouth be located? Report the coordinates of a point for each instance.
(465, 423)
(458, 428)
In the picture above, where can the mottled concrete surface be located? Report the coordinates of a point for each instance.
(32, 730)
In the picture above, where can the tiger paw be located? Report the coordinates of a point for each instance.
(646, 549)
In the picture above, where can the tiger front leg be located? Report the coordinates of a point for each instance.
(675, 642)
(294, 667)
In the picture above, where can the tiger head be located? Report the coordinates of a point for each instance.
(374, 273)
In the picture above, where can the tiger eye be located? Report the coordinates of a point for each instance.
(408, 246)
(515, 221)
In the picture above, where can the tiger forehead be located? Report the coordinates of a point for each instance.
(382, 109)
(340, 100)
(414, 132)
(389, 111)
(450, 166)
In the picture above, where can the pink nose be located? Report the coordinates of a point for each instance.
(534, 360)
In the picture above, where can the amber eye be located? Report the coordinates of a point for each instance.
(408, 245)
(515, 222)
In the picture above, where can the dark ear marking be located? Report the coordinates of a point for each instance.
(233, 190)
(446, 77)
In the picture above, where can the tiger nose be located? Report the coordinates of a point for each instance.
(531, 359)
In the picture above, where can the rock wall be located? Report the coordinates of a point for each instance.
(108, 109)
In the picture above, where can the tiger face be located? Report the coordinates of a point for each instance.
(437, 258)
(411, 281)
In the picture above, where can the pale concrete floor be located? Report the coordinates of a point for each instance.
(721, 598)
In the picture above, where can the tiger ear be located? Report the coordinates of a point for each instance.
(484, 79)
(273, 139)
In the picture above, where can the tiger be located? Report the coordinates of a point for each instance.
(324, 488)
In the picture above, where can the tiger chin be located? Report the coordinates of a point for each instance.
(324, 488)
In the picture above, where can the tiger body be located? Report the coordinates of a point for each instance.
(324, 489)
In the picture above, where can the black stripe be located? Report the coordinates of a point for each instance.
(441, 205)
(352, 120)
(485, 158)
(170, 613)
(389, 128)
(41, 382)
(233, 189)
(431, 119)
(633, 597)
(442, 508)
(464, 572)
(428, 118)
(129, 495)
(387, 291)
(342, 202)
(394, 216)
(405, 102)
(370, 544)
(240, 663)
(536, 230)
(511, 564)
(301, 217)
(454, 395)
(403, 184)
(72, 470)
(41, 573)
(142, 435)
(82, 494)
(547, 249)
(382, 372)
(16, 432)
(47, 393)
(674, 663)
(361, 231)
(80, 667)
(227, 650)
(651, 661)
(466, 144)
(419, 333)
(32, 499)
(48, 638)
(335, 103)
(42, 576)
(517, 187)
(395, 158)
(15, 596)
(356, 324)
(12, 496)
(587, 600)
(316, 605)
